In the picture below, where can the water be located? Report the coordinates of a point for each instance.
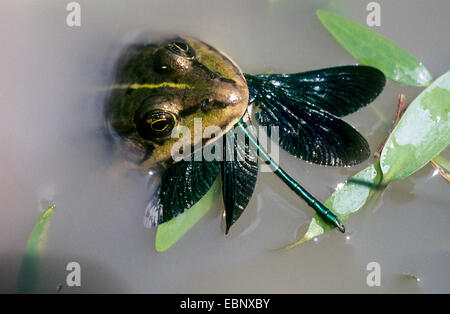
(53, 149)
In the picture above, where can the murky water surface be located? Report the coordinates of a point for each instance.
(53, 149)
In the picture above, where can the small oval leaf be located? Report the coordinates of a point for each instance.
(345, 201)
(171, 231)
(372, 49)
(421, 134)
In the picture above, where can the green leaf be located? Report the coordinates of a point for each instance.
(345, 201)
(28, 272)
(171, 231)
(421, 134)
(372, 49)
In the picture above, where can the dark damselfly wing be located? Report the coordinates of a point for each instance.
(239, 173)
(306, 130)
(338, 90)
(182, 185)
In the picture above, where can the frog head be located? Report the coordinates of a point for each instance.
(164, 86)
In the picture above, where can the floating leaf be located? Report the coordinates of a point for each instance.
(421, 134)
(171, 231)
(345, 201)
(36, 243)
(372, 49)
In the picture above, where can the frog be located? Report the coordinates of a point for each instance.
(163, 86)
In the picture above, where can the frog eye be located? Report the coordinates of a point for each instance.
(156, 124)
(176, 56)
(181, 48)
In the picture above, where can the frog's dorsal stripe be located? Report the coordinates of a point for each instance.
(160, 85)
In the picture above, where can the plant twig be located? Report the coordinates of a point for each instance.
(441, 170)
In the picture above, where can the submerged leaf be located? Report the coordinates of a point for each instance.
(35, 245)
(421, 134)
(372, 49)
(170, 232)
(345, 201)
